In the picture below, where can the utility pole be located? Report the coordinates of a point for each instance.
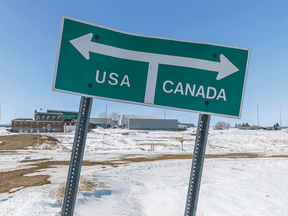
(280, 119)
(257, 116)
(106, 117)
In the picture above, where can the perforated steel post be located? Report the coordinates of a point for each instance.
(197, 165)
(77, 156)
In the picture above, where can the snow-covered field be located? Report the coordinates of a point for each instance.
(147, 173)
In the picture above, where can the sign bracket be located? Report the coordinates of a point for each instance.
(197, 164)
(77, 156)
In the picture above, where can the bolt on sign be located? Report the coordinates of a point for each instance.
(100, 62)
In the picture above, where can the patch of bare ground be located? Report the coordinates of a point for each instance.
(17, 179)
(190, 156)
(27, 160)
(23, 141)
(84, 186)
(8, 152)
(279, 156)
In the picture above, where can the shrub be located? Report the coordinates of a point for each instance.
(220, 125)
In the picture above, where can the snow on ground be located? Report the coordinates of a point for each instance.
(249, 179)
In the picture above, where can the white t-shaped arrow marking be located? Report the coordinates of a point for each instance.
(84, 45)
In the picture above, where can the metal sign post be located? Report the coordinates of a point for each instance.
(197, 165)
(77, 156)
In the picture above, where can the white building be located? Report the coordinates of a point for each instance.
(69, 128)
(137, 122)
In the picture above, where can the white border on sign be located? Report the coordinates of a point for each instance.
(145, 104)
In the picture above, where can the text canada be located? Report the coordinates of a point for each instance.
(187, 89)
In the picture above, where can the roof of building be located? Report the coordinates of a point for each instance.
(101, 121)
(46, 113)
(58, 111)
(23, 119)
(140, 117)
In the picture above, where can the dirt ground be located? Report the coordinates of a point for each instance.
(17, 179)
(12, 181)
(22, 141)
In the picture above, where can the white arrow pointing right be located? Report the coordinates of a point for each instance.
(84, 45)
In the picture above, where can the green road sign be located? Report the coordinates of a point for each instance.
(101, 62)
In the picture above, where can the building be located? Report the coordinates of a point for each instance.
(69, 128)
(102, 122)
(50, 121)
(137, 122)
(187, 124)
(5, 125)
(66, 115)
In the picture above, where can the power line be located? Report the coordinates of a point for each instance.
(280, 119)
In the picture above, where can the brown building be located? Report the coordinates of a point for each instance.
(43, 122)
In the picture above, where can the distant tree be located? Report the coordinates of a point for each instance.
(243, 125)
(247, 125)
(220, 125)
(103, 119)
(277, 125)
(114, 116)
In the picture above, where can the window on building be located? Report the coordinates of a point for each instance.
(20, 124)
(59, 117)
(54, 117)
(26, 124)
(15, 124)
(31, 124)
(70, 124)
(64, 123)
(48, 117)
(43, 124)
(37, 124)
(53, 124)
(38, 118)
(59, 125)
(43, 117)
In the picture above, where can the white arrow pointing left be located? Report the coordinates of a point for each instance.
(84, 45)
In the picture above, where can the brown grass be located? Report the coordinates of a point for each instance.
(59, 193)
(123, 141)
(279, 141)
(23, 141)
(86, 185)
(149, 144)
(16, 179)
(64, 148)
